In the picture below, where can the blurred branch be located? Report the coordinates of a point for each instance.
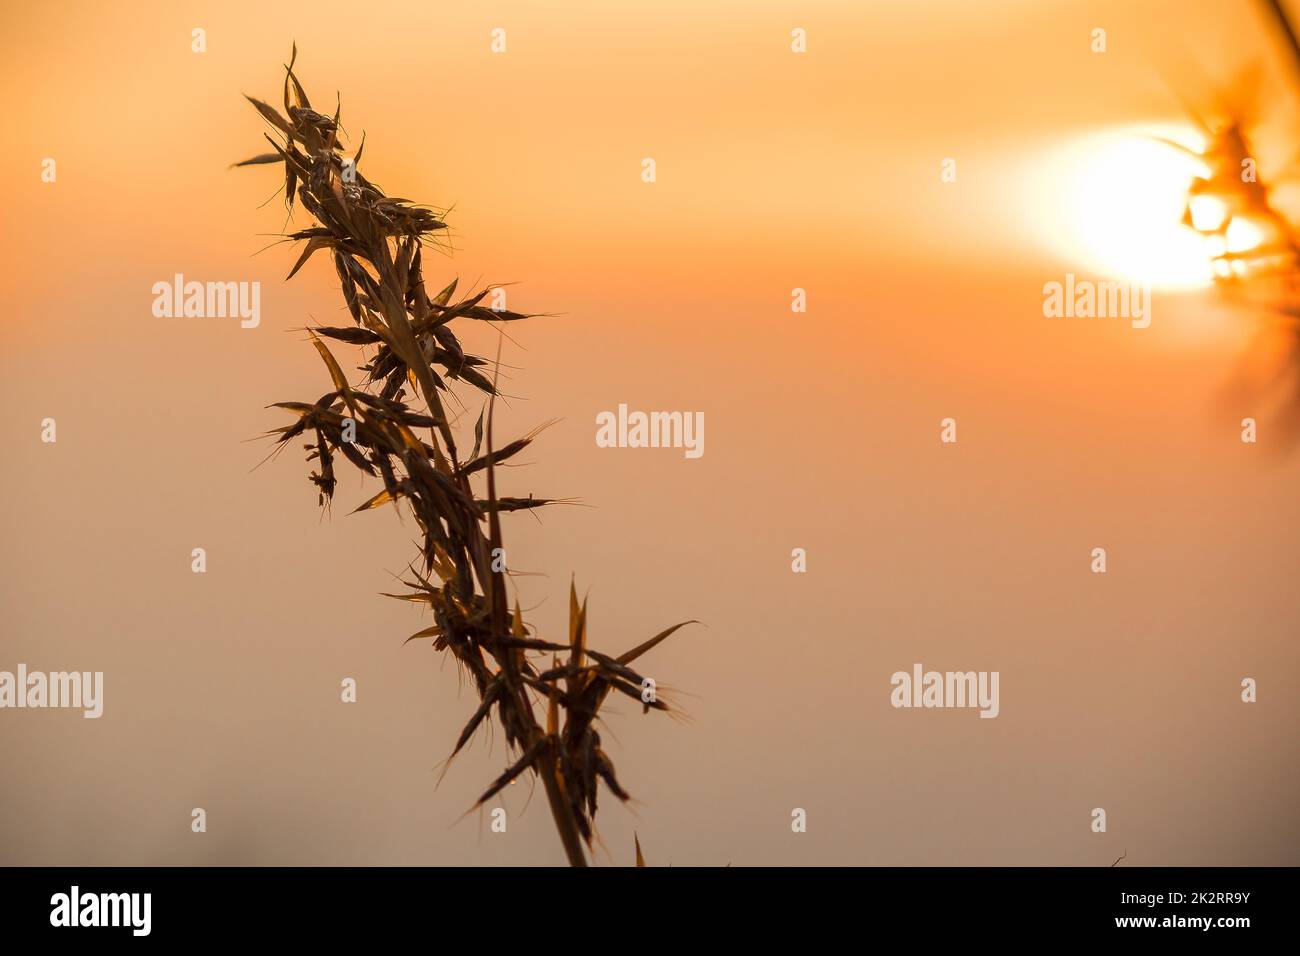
(1283, 24)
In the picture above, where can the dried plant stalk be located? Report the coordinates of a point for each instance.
(1262, 275)
(376, 244)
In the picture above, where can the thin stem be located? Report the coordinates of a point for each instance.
(561, 811)
(1283, 23)
(495, 589)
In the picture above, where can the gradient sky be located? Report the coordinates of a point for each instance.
(775, 171)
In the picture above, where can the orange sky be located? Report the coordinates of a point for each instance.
(775, 171)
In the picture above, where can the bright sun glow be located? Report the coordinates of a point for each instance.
(1122, 198)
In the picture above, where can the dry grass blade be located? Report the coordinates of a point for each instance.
(629, 656)
(260, 160)
(378, 500)
(523, 763)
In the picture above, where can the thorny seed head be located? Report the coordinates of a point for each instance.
(376, 245)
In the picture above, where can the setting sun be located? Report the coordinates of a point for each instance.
(1127, 198)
